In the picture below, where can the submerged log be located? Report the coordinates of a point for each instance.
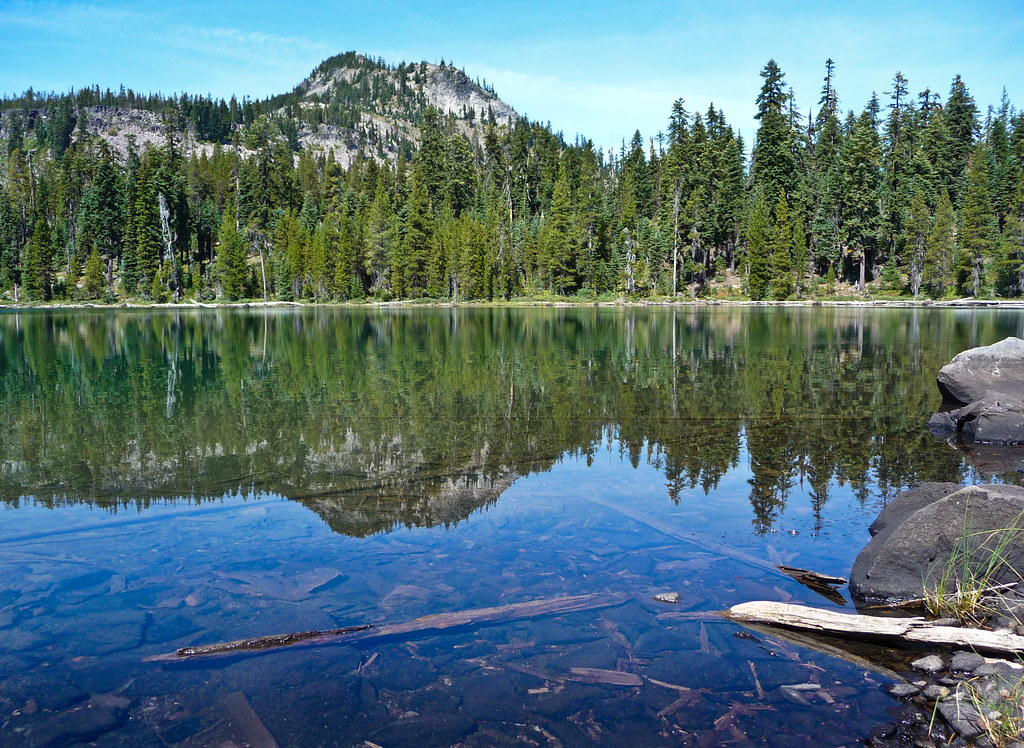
(604, 677)
(434, 623)
(905, 631)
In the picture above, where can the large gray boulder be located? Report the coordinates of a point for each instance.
(997, 368)
(995, 418)
(907, 502)
(908, 557)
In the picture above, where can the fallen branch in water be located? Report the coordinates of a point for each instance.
(823, 584)
(440, 622)
(914, 630)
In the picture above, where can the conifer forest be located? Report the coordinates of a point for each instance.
(908, 195)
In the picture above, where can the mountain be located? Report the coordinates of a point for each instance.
(349, 104)
(352, 103)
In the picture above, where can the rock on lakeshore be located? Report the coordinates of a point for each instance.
(918, 531)
(997, 368)
(995, 418)
(989, 381)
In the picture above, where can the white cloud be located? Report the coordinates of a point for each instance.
(244, 44)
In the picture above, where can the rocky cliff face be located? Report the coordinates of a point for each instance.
(349, 105)
(388, 103)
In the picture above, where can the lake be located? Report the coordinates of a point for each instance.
(185, 477)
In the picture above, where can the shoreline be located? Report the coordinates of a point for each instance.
(618, 303)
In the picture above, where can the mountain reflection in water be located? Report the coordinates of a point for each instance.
(376, 418)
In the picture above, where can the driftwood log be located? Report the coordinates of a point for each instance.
(823, 584)
(913, 630)
(427, 624)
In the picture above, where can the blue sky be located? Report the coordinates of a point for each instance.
(601, 70)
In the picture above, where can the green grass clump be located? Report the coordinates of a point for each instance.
(1002, 712)
(965, 585)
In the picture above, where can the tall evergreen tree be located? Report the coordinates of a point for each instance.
(774, 167)
(410, 258)
(862, 182)
(232, 269)
(557, 238)
(940, 249)
(758, 235)
(781, 257)
(977, 225)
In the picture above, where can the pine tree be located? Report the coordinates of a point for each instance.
(94, 280)
(339, 238)
(1004, 167)
(460, 182)
(557, 238)
(781, 259)
(827, 186)
(443, 253)
(106, 215)
(231, 268)
(409, 260)
(380, 241)
(800, 255)
(897, 159)
(862, 183)
(319, 276)
(774, 167)
(940, 249)
(960, 117)
(38, 271)
(1010, 270)
(143, 241)
(977, 225)
(917, 228)
(758, 236)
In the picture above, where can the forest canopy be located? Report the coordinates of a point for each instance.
(913, 195)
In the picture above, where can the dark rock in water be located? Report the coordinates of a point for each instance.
(929, 664)
(51, 690)
(994, 418)
(493, 697)
(79, 724)
(998, 368)
(903, 690)
(906, 558)
(909, 501)
(943, 422)
(961, 715)
(999, 668)
(168, 628)
(966, 662)
(935, 691)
